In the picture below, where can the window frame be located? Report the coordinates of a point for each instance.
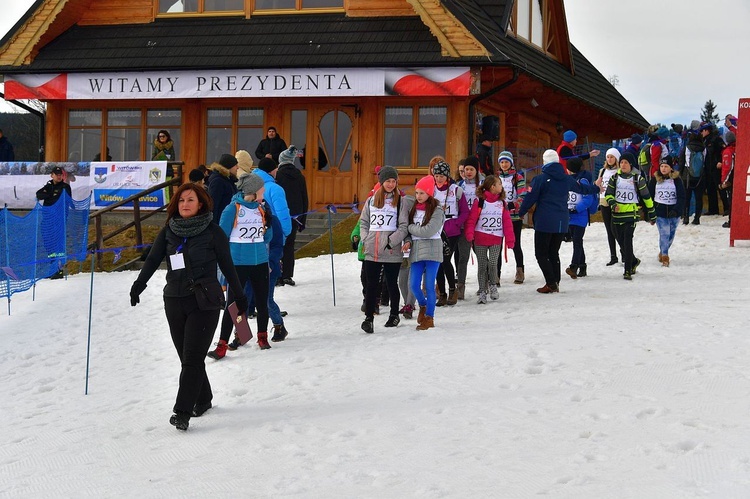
(235, 128)
(249, 9)
(415, 127)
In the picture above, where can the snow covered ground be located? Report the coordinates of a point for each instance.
(609, 389)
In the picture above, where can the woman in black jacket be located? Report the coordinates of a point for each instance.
(194, 245)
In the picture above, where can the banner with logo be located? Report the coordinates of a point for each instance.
(113, 182)
(247, 83)
(19, 181)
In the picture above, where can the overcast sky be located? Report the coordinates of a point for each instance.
(670, 56)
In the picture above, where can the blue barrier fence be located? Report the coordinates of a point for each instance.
(38, 244)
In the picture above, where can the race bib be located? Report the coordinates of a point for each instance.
(447, 199)
(574, 199)
(510, 193)
(491, 219)
(248, 227)
(625, 192)
(470, 191)
(606, 176)
(666, 192)
(418, 219)
(383, 219)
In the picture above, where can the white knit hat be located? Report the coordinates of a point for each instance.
(614, 152)
(550, 156)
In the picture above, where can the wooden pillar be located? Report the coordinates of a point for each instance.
(55, 130)
(192, 137)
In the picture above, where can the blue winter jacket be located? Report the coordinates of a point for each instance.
(246, 253)
(549, 192)
(587, 205)
(276, 197)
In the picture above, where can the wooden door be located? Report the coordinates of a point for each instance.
(335, 162)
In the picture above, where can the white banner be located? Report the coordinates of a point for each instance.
(20, 180)
(307, 82)
(113, 182)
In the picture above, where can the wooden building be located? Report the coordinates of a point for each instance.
(368, 82)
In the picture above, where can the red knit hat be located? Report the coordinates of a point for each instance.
(426, 184)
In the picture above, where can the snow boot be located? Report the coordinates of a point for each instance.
(442, 300)
(612, 260)
(235, 344)
(582, 270)
(493, 293)
(279, 333)
(636, 262)
(460, 291)
(452, 297)
(427, 323)
(220, 352)
(180, 420)
(627, 276)
(665, 261)
(263, 340)
(200, 409)
(548, 288)
(393, 321)
(367, 325)
(571, 271)
(519, 276)
(421, 315)
(660, 257)
(407, 311)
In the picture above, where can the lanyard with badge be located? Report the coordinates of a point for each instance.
(177, 261)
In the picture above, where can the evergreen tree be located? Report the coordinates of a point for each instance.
(709, 112)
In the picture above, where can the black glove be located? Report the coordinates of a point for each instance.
(241, 304)
(355, 243)
(511, 206)
(135, 292)
(300, 227)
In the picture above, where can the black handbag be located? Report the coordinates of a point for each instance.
(208, 291)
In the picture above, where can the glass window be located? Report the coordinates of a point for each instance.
(163, 119)
(412, 145)
(223, 5)
(537, 24)
(84, 144)
(231, 129)
(523, 15)
(529, 23)
(299, 136)
(124, 144)
(298, 4)
(85, 117)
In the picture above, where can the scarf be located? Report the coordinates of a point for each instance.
(189, 227)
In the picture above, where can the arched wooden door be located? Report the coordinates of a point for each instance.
(335, 161)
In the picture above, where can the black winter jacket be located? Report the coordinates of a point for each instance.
(273, 146)
(221, 188)
(295, 188)
(51, 192)
(203, 251)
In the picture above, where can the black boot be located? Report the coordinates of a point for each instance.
(393, 321)
(367, 326)
(582, 270)
(180, 420)
(612, 261)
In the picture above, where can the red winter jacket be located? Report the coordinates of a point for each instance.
(727, 161)
(656, 155)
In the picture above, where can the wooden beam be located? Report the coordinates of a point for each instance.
(434, 28)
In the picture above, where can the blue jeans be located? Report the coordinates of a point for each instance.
(667, 229)
(430, 269)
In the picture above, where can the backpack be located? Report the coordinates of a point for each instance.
(644, 157)
(696, 164)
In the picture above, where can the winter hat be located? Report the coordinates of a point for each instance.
(732, 119)
(569, 136)
(287, 157)
(634, 139)
(507, 155)
(677, 128)
(626, 156)
(250, 184)
(195, 175)
(228, 161)
(662, 132)
(267, 165)
(667, 160)
(442, 168)
(472, 161)
(244, 161)
(706, 125)
(695, 125)
(574, 165)
(550, 156)
(731, 137)
(426, 184)
(386, 173)
(614, 152)
(57, 170)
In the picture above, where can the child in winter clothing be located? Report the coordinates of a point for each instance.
(383, 227)
(425, 248)
(514, 185)
(453, 201)
(247, 222)
(623, 193)
(471, 181)
(668, 194)
(611, 164)
(580, 208)
(489, 222)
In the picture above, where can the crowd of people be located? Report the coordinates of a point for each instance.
(242, 218)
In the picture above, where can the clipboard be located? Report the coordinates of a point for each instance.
(242, 328)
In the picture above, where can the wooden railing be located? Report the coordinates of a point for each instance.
(100, 237)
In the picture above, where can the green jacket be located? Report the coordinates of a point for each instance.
(625, 208)
(360, 245)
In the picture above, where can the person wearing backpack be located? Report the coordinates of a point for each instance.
(695, 153)
(624, 191)
(580, 207)
(658, 151)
